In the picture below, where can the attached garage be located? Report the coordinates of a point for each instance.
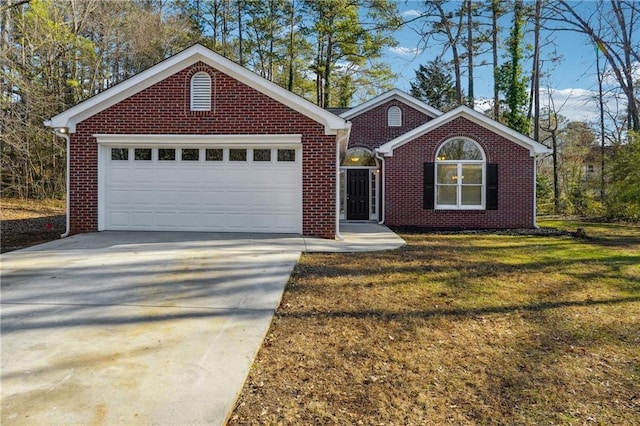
(232, 183)
(200, 143)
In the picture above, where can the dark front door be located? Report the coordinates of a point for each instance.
(357, 194)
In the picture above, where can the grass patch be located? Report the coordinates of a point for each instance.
(21, 208)
(462, 329)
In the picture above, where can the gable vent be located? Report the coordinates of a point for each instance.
(201, 92)
(394, 117)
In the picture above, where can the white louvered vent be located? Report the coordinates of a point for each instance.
(394, 117)
(201, 92)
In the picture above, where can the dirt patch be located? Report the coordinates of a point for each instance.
(24, 223)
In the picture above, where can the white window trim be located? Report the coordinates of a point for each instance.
(460, 163)
(200, 92)
(394, 116)
(247, 141)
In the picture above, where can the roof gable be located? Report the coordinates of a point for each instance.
(196, 53)
(535, 148)
(385, 97)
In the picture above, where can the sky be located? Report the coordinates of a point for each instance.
(572, 82)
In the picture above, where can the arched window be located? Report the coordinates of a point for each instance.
(201, 92)
(394, 116)
(460, 175)
(359, 157)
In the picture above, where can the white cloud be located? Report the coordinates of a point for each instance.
(610, 77)
(411, 13)
(406, 51)
(581, 104)
(575, 104)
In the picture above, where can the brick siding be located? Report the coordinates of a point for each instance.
(370, 129)
(236, 109)
(403, 182)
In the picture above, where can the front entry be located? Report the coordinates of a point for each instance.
(358, 194)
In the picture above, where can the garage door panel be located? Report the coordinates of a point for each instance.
(191, 177)
(142, 197)
(189, 198)
(283, 220)
(119, 218)
(119, 197)
(237, 220)
(215, 196)
(142, 219)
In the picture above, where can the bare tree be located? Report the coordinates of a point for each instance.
(618, 41)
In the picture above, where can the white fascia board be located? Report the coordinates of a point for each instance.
(180, 61)
(288, 140)
(385, 97)
(535, 148)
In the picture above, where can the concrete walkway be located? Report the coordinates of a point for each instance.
(144, 327)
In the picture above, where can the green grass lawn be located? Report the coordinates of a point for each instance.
(458, 329)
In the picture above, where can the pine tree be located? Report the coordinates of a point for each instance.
(434, 85)
(511, 80)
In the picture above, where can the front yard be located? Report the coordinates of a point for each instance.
(458, 329)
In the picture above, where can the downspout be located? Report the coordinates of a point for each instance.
(382, 189)
(339, 236)
(64, 133)
(343, 136)
(535, 195)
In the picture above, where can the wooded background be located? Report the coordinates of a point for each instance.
(55, 54)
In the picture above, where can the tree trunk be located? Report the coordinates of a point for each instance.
(470, 95)
(619, 65)
(326, 103)
(495, 5)
(292, 54)
(240, 52)
(554, 156)
(602, 138)
(535, 78)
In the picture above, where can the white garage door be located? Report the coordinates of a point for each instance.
(211, 188)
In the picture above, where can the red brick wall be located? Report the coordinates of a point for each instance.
(237, 109)
(370, 129)
(403, 182)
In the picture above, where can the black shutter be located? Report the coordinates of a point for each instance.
(428, 187)
(492, 187)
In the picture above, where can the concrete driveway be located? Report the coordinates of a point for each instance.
(143, 327)
(136, 328)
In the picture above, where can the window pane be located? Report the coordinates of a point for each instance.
(190, 154)
(213, 155)
(342, 190)
(374, 196)
(447, 195)
(120, 154)
(471, 195)
(472, 174)
(142, 154)
(459, 149)
(237, 155)
(286, 155)
(447, 173)
(261, 155)
(358, 157)
(166, 154)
